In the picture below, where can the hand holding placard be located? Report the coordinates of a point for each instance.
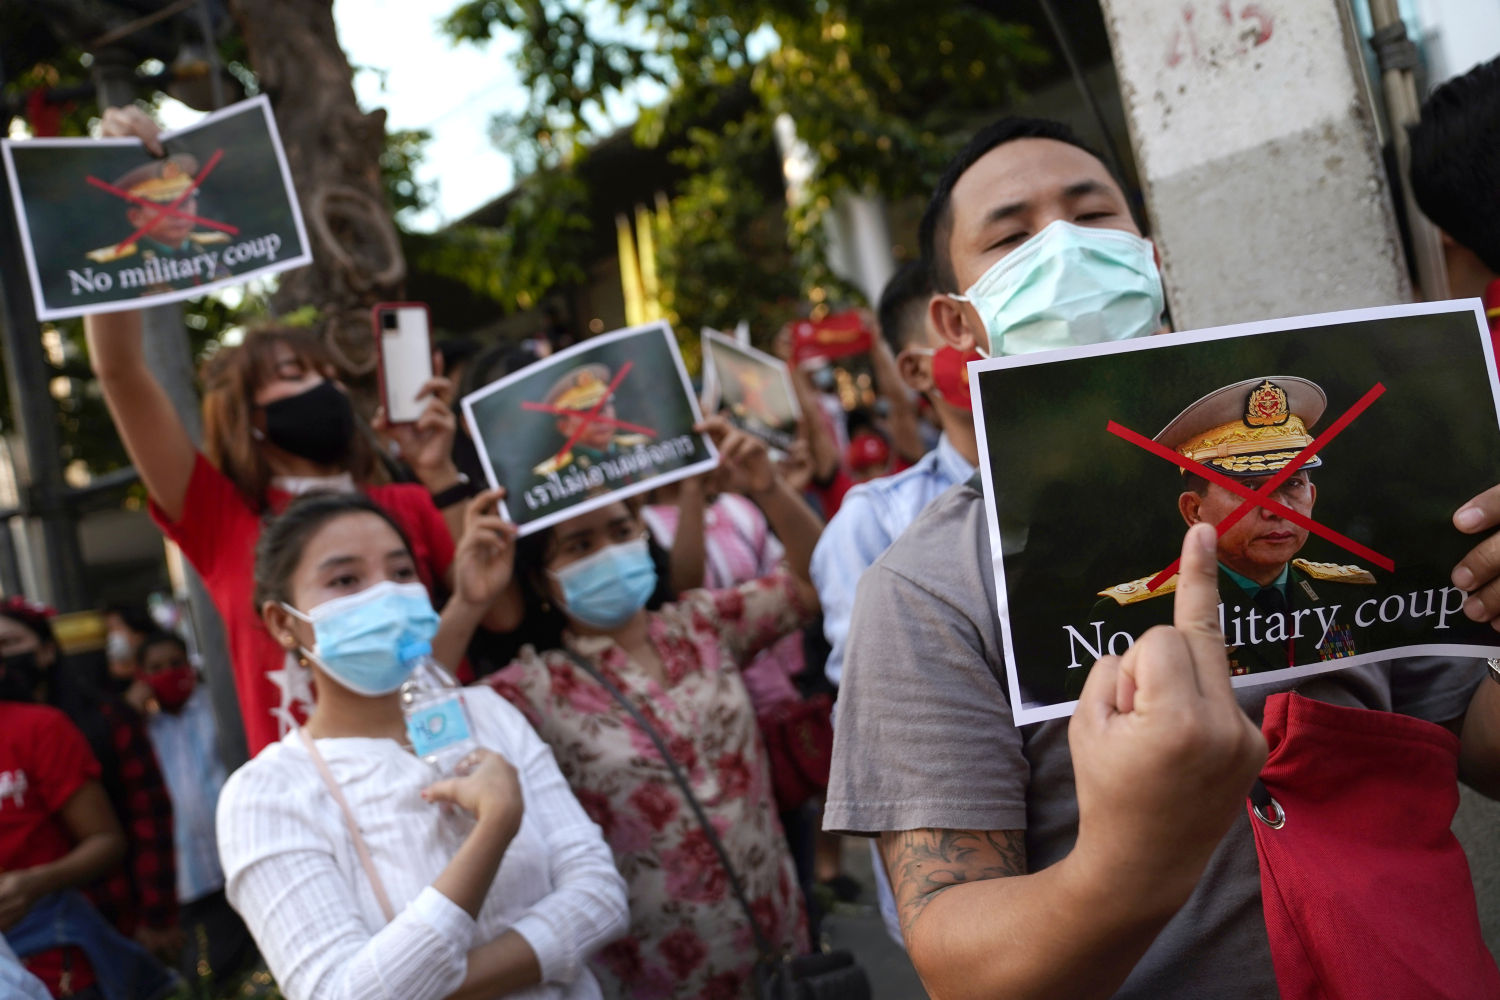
(1163, 755)
(1479, 571)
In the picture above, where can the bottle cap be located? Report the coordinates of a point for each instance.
(414, 649)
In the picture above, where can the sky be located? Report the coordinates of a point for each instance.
(405, 65)
(423, 81)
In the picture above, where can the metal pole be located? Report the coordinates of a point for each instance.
(51, 527)
(169, 356)
(1397, 57)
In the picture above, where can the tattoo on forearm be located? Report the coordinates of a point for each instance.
(922, 863)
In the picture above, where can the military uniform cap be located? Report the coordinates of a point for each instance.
(1251, 428)
(161, 181)
(580, 389)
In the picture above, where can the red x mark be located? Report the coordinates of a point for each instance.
(1262, 497)
(175, 213)
(559, 411)
(160, 212)
(592, 417)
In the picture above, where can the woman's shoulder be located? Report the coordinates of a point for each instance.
(279, 771)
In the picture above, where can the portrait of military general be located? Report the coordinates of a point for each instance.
(1251, 430)
(1329, 452)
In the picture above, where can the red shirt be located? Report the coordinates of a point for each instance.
(44, 761)
(218, 531)
(1492, 311)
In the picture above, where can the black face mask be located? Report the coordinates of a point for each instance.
(20, 676)
(317, 425)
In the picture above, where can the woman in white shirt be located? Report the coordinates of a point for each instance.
(492, 882)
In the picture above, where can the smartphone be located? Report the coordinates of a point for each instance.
(404, 341)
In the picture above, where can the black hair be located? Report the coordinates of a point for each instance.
(456, 351)
(544, 622)
(1455, 161)
(29, 616)
(902, 312)
(937, 220)
(283, 537)
(1194, 483)
(135, 617)
(157, 638)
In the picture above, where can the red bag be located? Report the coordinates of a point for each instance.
(1366, 891)
(799, 741)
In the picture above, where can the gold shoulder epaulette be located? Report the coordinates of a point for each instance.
(1136, 591)
(1349, 573)
(106, 255)
(552, 465)
(631, 440)
(206, 239)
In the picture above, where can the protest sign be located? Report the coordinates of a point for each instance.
(105, 225)
(603, 420)
(1330, 451)
(752, 388)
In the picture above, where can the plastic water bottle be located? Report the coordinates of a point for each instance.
(437, 723)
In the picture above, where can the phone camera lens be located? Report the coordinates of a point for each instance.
(388, 321)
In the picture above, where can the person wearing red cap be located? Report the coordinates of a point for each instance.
(867, 457)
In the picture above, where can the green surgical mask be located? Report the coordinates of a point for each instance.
(1068, 286)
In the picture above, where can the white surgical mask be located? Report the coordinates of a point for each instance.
(1068, 286)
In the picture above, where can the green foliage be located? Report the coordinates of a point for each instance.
(714, 281)
(881, 91)
(404, 153)
(508, 264)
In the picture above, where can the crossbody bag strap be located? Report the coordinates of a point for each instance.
(360, 847)
(762, 944)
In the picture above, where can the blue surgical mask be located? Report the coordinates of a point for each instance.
(1068, 286)
(608, 587)
(358, 639)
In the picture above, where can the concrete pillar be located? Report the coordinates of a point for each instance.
(1257, 148)
(1253, 130)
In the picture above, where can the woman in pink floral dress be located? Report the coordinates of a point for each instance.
(681, 667)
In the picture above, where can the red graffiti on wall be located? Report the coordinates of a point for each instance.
(1210, 40)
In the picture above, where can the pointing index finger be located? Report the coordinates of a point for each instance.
(1196, 610)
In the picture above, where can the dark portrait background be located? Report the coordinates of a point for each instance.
(67, 217)
(1081, 509)
(652, 395)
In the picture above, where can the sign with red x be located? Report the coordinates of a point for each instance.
(1334, 521)
(156, 213)
(586, 420)
(603, 420)
(106, 224)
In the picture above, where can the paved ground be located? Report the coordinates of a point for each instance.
(1478, 828)
(858, 928)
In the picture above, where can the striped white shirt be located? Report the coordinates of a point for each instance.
(293, 874)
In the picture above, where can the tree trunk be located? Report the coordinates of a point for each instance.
(334, 151)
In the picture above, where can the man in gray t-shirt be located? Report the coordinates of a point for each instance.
(1110, 854)
(925, 741)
